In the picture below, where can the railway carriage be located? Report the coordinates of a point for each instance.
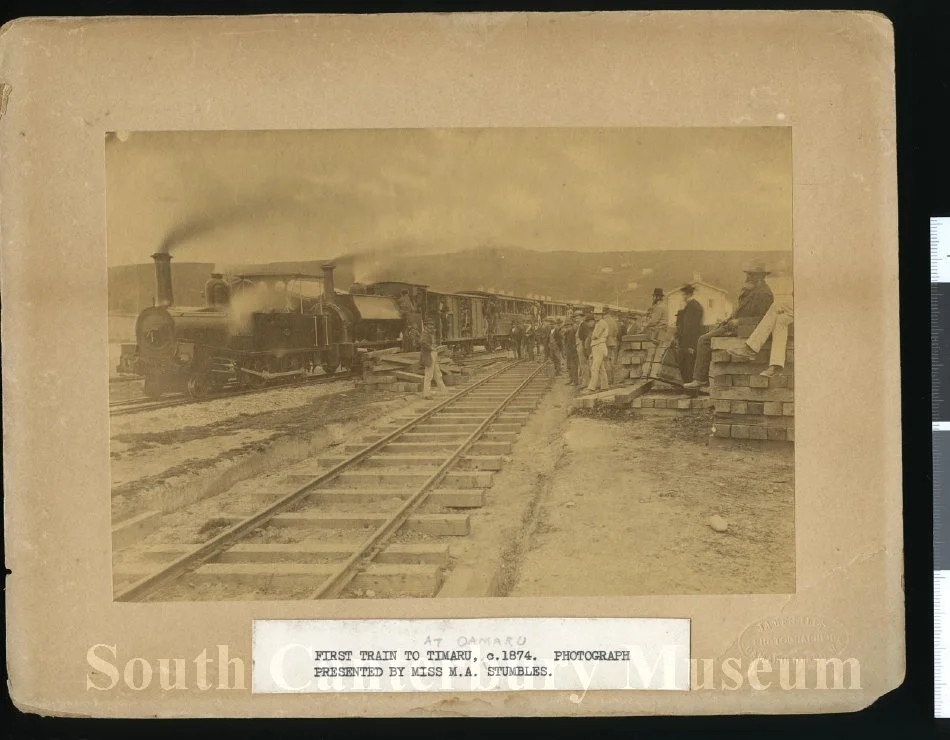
(459, 318)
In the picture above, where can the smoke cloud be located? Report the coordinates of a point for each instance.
(230, 216)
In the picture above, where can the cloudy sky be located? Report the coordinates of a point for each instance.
(289, 195)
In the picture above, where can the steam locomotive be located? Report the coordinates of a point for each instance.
(252, 330)
(260, 328)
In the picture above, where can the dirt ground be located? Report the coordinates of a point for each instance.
(151, 449)
(628, 507)
(587, 504)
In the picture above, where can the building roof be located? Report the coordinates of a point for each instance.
(283, 275)
(697, 282)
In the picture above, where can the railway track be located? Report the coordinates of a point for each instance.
(375, 520)
(136, 405)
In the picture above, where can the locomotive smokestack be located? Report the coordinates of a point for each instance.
(163, 278)
(329, 288)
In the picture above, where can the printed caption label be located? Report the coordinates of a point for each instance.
(536, 654)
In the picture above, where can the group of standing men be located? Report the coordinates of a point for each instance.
(586, 344)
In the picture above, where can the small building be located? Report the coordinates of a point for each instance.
(714, 300)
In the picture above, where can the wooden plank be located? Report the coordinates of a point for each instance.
(408, 377)
(132, 530)
(382, 352)
(470, 583)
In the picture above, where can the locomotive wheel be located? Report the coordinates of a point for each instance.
(153, 384)
(198, 386)
(330, 362)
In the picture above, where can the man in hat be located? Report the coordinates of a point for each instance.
(598, 354)
(582, 342)
(569, 341)
(689, 328)
(657, 317)
(517, 338)
(530, 336)
(429, 358)
(755, 299)
(555, 348)
(406, 309)
(774, 324)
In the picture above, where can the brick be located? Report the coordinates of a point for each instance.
(722, 405)
(756, 407)
(778, 381)
(773, 408)
(777, 433)
(742, 393)
(740, 431)
(720, 355)
(790, 382)
(683, 403)
(637, 403)
(789, 356)
(722, 381)
(758, 432)
(659, 403)
(757, 381)
(740, 380)
(788, 409)
(790, 434)
(722, 430)
(648, 403)
(739, 407)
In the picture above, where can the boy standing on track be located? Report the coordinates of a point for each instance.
(430, 361)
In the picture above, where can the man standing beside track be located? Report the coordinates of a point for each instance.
(517, 339)
(529, 337)
(429, 358)
(555, 346)
(598, 349)
(569, 334)
(583, 353)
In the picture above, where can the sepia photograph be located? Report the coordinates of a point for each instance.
(370, 364)
(443, 364)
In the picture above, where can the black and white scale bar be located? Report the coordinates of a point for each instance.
(940, 431)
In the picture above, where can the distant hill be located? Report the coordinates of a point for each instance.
(627, 278)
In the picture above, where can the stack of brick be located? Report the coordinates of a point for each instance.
(635, 351)
(747, 405)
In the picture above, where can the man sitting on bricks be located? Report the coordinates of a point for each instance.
(774, 324)
(755, 299)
